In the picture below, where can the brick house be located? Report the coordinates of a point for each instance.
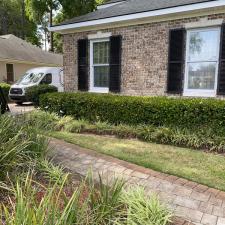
(147, 47)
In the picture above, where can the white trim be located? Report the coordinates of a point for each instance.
(92, 88)
(201, 92)
(108, 5)
(136, 16)
(99, 35)
(204, 22)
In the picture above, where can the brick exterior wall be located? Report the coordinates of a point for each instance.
(144, 56)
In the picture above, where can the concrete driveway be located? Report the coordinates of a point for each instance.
(17, 109)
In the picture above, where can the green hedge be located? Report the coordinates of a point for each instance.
(5, 88)
(158, 111)
(33, 93)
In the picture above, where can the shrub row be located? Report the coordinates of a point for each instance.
(33, 93)
(157, 111)
(5, 88)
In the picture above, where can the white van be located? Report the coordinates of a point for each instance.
(42, 75)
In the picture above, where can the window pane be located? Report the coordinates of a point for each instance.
(101, 52)
(201, 75)
(101, 76)
(203, 45)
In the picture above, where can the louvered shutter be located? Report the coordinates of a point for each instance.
(115, 63)
(221, 73)
(176, 61)
(83, 65)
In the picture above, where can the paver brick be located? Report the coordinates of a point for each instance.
(221, 195)
(191, 214)
(166, 186)
(171, 178)
(215, 201)
(167, 198)
(206, 208)
(181, 181)
(186, 202)
(128, 172)
(190, 184)
(201, 188)
(218, 211)
(213, 191)
(182, 191)
(200, 196)
(140, 175)
(209, 219)
(221, 221)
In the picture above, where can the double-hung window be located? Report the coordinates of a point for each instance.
(202, 59)
(99, 65)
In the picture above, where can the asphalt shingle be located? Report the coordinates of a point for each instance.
(14, 48)
(131, 7)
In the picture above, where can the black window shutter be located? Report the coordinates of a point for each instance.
(221, 73)
(115, 63)
(176, 61)
(82, 64)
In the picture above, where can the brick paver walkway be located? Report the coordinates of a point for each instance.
(17, 109)
(194, 202)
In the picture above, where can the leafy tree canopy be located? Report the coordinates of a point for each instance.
(14, 21)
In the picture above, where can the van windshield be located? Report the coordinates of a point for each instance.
(30, 78)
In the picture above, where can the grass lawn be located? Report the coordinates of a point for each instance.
(204, 168)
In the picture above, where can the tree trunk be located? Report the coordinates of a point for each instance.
(23, 19)
(51, 33)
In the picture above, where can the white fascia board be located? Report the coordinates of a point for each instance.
(108, 5)
(130, 17)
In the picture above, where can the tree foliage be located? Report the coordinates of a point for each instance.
(28, 19)
(14, 21)
(69, 10)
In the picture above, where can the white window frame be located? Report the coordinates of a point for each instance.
(200, 92)
(92, 87)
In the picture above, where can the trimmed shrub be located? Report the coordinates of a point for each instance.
(158, 111)
(33, 93)
(5, 88)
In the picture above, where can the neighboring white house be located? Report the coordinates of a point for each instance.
(17, 56)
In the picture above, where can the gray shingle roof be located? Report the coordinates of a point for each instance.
(130, 7)
(14, 48)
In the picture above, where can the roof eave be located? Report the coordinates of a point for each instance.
(137, 16)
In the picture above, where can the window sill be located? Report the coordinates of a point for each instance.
(206, 94)
(99, 90)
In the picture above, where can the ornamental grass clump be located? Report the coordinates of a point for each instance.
(88, 204)
(203, 139)
(20, 145)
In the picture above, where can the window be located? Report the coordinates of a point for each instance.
(10, 73)
(202, 55)
(99, 65)
(47, 79)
